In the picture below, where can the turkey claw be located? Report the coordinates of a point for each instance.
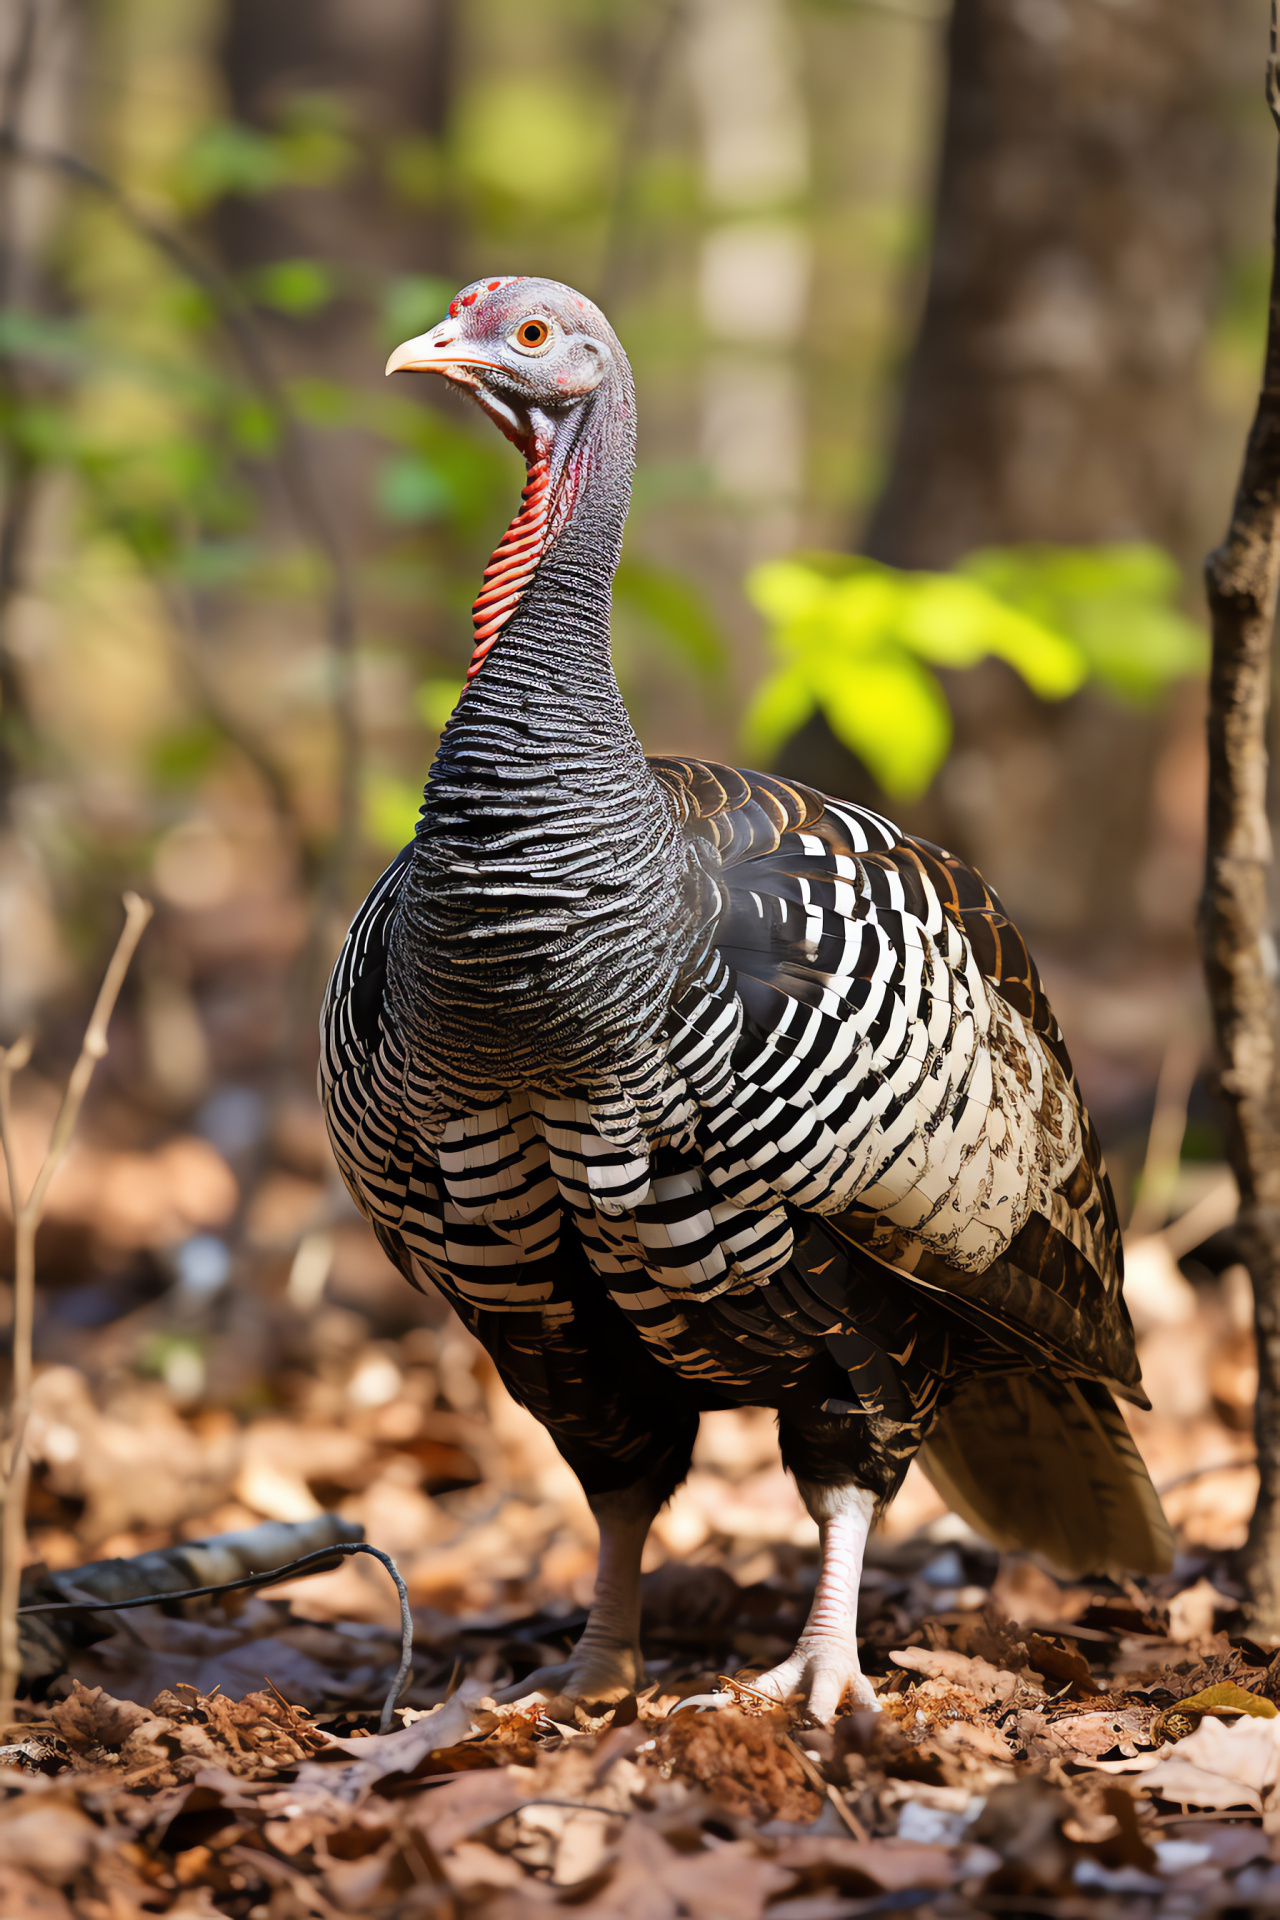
(824, 1672)
(596, 1679)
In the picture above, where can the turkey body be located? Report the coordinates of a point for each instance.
(693, 1088)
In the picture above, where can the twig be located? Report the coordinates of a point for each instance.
(1203, 1473)
(318, 1562)
(26, 1219)
(825, 1788)
(1159, 1178)
(1238, 946)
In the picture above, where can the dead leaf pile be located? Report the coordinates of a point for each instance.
(1003, 1768)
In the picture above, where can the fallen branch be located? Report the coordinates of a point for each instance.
(321, 1561)
(26, 1219)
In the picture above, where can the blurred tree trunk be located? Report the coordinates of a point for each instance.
(1053, 391)
(1084, 197)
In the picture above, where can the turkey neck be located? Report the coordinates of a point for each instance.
(548, 903)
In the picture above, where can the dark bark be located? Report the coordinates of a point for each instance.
(1235, 920)
(1052, 394)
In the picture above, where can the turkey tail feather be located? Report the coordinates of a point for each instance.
(1048, 1466)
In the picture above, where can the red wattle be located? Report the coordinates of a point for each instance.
(514, 563)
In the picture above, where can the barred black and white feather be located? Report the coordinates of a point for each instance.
(692, 1087)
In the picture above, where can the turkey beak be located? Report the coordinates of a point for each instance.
(440, 351)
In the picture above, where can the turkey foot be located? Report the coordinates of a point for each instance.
(607, 1664)
(602, 1673)
(825, 1663)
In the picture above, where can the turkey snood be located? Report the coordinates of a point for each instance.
(549, 902)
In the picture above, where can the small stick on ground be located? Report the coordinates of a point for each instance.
(26, 1219)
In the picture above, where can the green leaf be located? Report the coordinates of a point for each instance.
(785, 590)
(892, 713)
(1116, 603)
(180, 758)
(782, 705)
(955, 622)
(411, 303)
(228, 157)
(296, 287)
(254, 427)
(436, 700)
(675, 610)
(413, 491)
(391, 808)
(860, 614)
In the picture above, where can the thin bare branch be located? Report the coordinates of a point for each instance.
(26, 1220)
(1241, 579)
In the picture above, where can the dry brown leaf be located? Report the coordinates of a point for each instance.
(89, 1719)
(1222, 1764)
(1088, 1736)
(460, 1808)
(857, 1866)
(740, 1759)
(977, 1676)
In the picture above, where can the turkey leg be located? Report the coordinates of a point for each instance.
(607, 1663)
(825, 1662)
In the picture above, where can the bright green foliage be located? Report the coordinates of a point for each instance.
(1118, 604)
(855, 640)
(390, 810)
(436, 700)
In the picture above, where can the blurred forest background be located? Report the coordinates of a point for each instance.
(946, 328)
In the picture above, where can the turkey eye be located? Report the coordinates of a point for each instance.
(530, 335)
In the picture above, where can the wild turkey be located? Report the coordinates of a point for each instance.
(691, 1088)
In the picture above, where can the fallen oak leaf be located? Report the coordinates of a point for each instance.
(90, 1718)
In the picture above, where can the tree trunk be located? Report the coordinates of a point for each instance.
(1235, 918)
(1053, 391)
(1084, 194)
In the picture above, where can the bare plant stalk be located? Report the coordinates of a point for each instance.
(26, 1219)
(1238, 946)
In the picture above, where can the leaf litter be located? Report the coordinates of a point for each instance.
(1042, 1747)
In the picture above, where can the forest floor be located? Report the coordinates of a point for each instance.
(1043, 1747)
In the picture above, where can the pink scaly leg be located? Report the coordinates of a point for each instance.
(825, 1662)
(607, 1662)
